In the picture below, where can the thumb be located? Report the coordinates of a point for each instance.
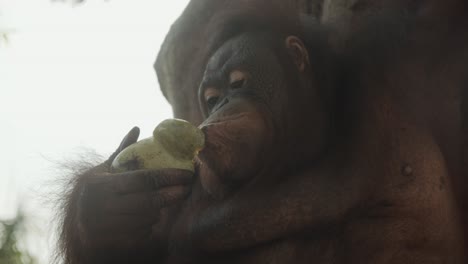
(130, 138)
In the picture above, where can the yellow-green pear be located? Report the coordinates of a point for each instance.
(174, 144)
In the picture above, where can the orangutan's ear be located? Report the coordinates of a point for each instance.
(298, 52)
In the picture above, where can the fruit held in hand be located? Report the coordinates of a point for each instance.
(174, 144)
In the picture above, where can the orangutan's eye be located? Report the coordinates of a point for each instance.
(211, 102)
(237, 79)
(212, 96)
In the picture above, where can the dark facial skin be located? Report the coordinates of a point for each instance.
(243, 97)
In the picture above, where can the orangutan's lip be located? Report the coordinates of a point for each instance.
(223, 120)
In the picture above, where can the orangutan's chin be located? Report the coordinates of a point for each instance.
(233, 146)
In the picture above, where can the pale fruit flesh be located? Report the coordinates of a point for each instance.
(174, 144)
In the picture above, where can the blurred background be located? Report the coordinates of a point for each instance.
(74, 78)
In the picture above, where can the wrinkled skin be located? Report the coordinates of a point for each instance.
(364, 165)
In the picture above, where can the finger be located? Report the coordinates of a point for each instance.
(130, 138)
(103, 221)
(146, 180)
(146, 203)
(133, 203)
(121, 239)
(168, 196)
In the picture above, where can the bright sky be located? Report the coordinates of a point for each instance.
(72, 78)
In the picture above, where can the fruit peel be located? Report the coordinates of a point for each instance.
(174, 144)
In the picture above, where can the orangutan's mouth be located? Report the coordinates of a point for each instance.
(216, 162)
(224, 119)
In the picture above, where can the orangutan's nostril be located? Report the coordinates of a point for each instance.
(406, 170)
